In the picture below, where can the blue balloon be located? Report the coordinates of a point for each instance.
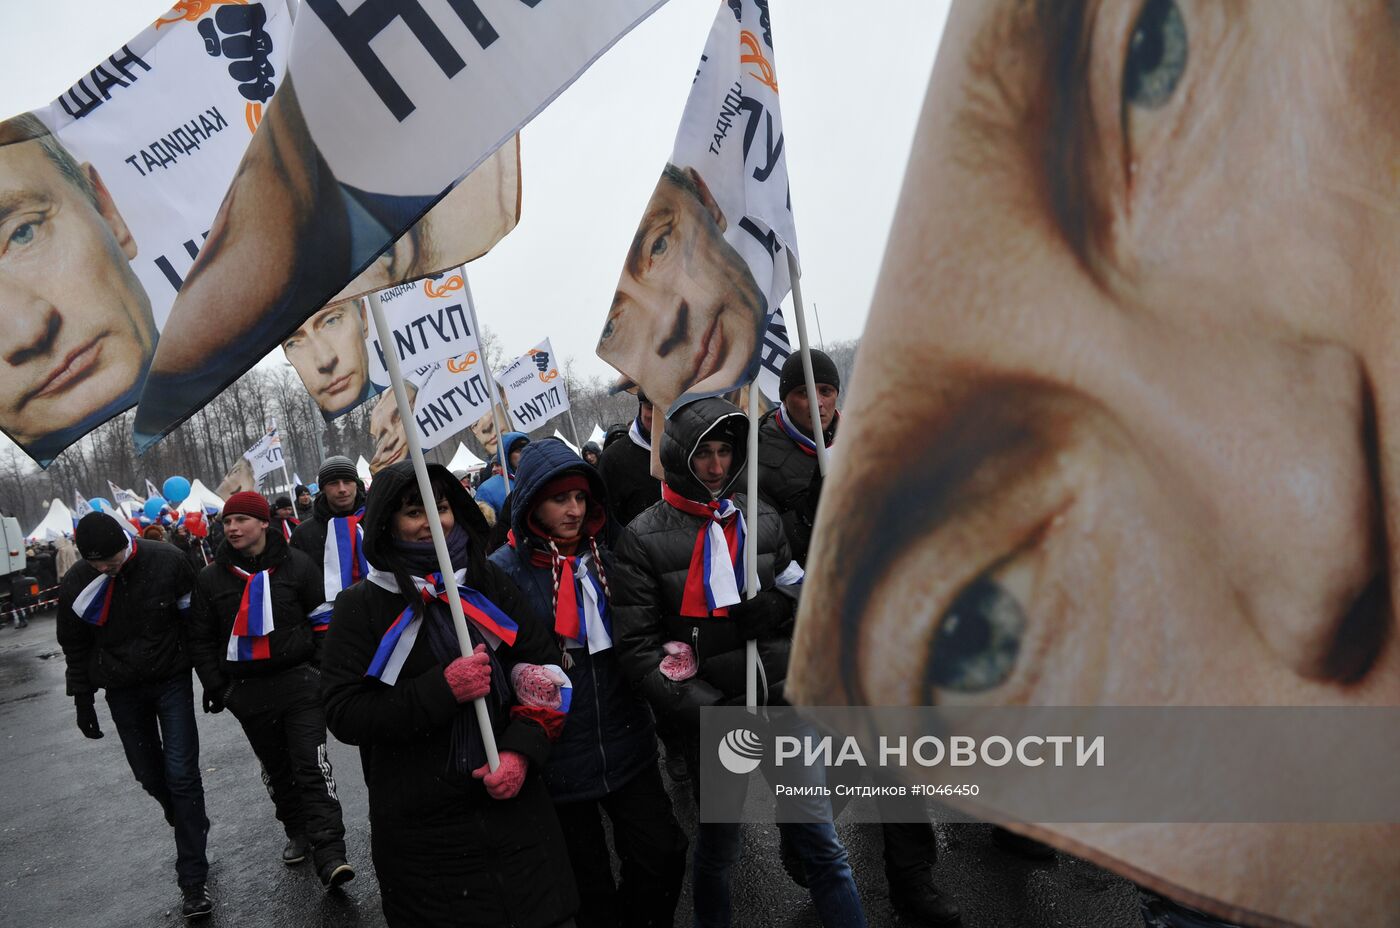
(101, 505)
(153, 507)
(175, 489)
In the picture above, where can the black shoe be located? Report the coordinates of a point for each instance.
(791, 862)
(920, 902)
(676, 768)
(335, 872)
(1029, 848)
(197, 901)
(296, 850)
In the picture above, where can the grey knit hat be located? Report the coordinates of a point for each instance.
(337, 467)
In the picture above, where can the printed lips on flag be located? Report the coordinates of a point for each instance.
(387, 107)
(696, 308)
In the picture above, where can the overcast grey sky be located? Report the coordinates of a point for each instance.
(852, 77)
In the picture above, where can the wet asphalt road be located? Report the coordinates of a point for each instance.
(82, 846)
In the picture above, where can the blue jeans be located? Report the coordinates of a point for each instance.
(717, 847)
(156, 724)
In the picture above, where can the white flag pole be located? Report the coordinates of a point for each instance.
(751, 547)
(490, 385)
(573, 427)
(285, 476)
(818, 436)
(425, 487)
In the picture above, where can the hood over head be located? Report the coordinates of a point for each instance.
(540, 463)
(509, 441)
(708, 419)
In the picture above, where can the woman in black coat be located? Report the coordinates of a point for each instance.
(452, 843)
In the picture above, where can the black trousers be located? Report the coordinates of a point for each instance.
(650, 845)
(286, 726)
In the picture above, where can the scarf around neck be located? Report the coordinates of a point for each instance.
(715, 580)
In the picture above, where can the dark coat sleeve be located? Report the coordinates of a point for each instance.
(310, 595)
(204, 626)
(534, 644)
(76, 637)
(360, 710)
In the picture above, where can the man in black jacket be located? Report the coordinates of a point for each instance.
(335, 518)
(303, 502)
(626, 468)
(256, 652)
(122, 615)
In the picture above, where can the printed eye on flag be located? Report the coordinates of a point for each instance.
(338, 355)
(390, 103)
(115, 185)
(534, 388)
(696, 309)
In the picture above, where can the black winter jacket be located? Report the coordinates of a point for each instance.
(653, 561)
(443, 849)
(609, 737)
(310, 536)
(296, 591)
(787, 479)
(145, 639)
(626, 470)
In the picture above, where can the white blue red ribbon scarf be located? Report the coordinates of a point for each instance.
(254, 622)
(286, 525)
(94, 604)
(808, 446)
(345, 562)
(566, 688)
(398, 639)
(715, 580)
(634, 432)
(581, 612)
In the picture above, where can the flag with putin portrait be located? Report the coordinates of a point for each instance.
(697, 308)
(386, 107)
(1126, 411)
(111, 194)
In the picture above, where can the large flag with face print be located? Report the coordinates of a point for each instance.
(387, 106)
(113, 190)
(696, 311)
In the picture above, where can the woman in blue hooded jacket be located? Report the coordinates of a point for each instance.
(605, 759)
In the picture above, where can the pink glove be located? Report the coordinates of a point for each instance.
(538, 685)
(470, 677)
(679, 662)
(508, 778)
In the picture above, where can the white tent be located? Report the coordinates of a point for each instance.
(465, 460)
(201, 499)
(362, 469)
(572, 447)
(597, 436)
(56, 524)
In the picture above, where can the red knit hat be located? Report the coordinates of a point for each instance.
(247, 503)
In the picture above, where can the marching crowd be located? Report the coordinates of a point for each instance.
(603, 612)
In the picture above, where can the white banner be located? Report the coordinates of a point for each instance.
(696, 310)
(534, 388)
(453, 397)
(389, 104)
(266, 455)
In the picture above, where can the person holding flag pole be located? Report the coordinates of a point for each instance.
(463, 829)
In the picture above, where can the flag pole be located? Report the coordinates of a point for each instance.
(285, 476)
(490, 385)
(751, 547)
(573, 427)
(818, 436)
(425, 488)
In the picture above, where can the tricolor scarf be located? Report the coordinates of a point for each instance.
(715, 580)
(581, 612)
(288, 524)
(397, 641)
(808, 446)
(94, 604)
(253, 623)
(634, 432)
(345, 562)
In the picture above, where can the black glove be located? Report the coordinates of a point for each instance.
(764, 616)
(87, 716)
(683, 697)
(214, 699)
